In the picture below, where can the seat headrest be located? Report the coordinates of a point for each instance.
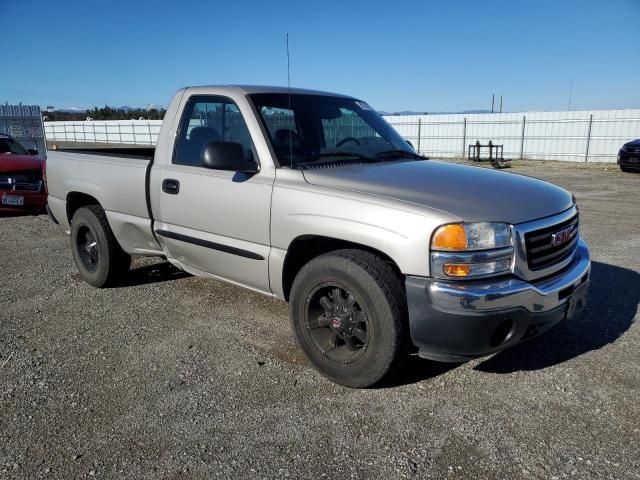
(286, 140)
(204, 135)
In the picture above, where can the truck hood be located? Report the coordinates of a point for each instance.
(18, 163)
(473, 194)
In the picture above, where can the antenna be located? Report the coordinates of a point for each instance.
(289, 95)
(288, 69)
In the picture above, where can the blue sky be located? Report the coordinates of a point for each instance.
(403, 55)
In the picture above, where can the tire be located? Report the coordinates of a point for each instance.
(96, 252)
(373, 301)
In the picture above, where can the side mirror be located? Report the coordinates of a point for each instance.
(411, 144)
(32, 151)
(227, 156)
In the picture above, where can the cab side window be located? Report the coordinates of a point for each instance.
(210, 119)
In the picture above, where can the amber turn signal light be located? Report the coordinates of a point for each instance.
(450, 237)
(457, 269)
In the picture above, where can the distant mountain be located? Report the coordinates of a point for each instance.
(66, 110)
(479, 111)
(409, 112)
(124, 108)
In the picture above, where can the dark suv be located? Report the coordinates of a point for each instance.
(629, 156)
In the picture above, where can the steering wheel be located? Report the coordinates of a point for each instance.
(348, 139)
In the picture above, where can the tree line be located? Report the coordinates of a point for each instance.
(104, 113)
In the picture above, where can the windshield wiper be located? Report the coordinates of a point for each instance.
(315, 158)
(398, 153)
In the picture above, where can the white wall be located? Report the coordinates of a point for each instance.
(547, 135)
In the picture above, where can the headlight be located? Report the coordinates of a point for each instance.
(471, 250)
(472, 236)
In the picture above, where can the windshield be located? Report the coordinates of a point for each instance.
(9, 146)
(305, 129)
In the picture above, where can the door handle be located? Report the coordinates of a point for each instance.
(170, 186)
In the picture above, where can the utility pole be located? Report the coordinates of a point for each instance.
(500, 103)
(493, 100)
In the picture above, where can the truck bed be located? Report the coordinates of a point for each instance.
(117, 182)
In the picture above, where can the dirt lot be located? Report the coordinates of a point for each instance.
(173, 376)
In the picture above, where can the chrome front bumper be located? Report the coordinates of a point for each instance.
(456, 321)
(512, 292)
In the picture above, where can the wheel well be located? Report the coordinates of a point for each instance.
(305, 248)
(76, 200)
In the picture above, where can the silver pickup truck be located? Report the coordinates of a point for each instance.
(313, 198)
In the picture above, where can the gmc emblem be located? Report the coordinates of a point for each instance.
(563, 236)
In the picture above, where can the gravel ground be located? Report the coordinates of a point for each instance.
(173, 376)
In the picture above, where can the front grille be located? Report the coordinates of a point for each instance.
(541, 251)
(22, 181)
(29, 186)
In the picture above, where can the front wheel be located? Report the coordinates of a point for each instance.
(349, 314)
(96, 252)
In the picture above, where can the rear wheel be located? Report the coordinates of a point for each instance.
(96, 252)
(348, 311)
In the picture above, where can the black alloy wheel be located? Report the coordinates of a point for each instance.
(337, 323)
(87, 248)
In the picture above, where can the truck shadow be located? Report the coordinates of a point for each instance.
(614, 294)
(156, 273)
(416, 370)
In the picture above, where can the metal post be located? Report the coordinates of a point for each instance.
(524, 126)
(44, 137)
(95, 139)
(119, 133)
(419, 132)
(149, 127)
(464, 136)
(586, 153)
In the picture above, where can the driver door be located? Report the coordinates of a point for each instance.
(215, 221)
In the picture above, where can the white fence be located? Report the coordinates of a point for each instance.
(124, 132)
(580, 136)
(594, 136)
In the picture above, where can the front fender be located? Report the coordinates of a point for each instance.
(400, 233)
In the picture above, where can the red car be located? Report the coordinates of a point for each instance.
(22, 188)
